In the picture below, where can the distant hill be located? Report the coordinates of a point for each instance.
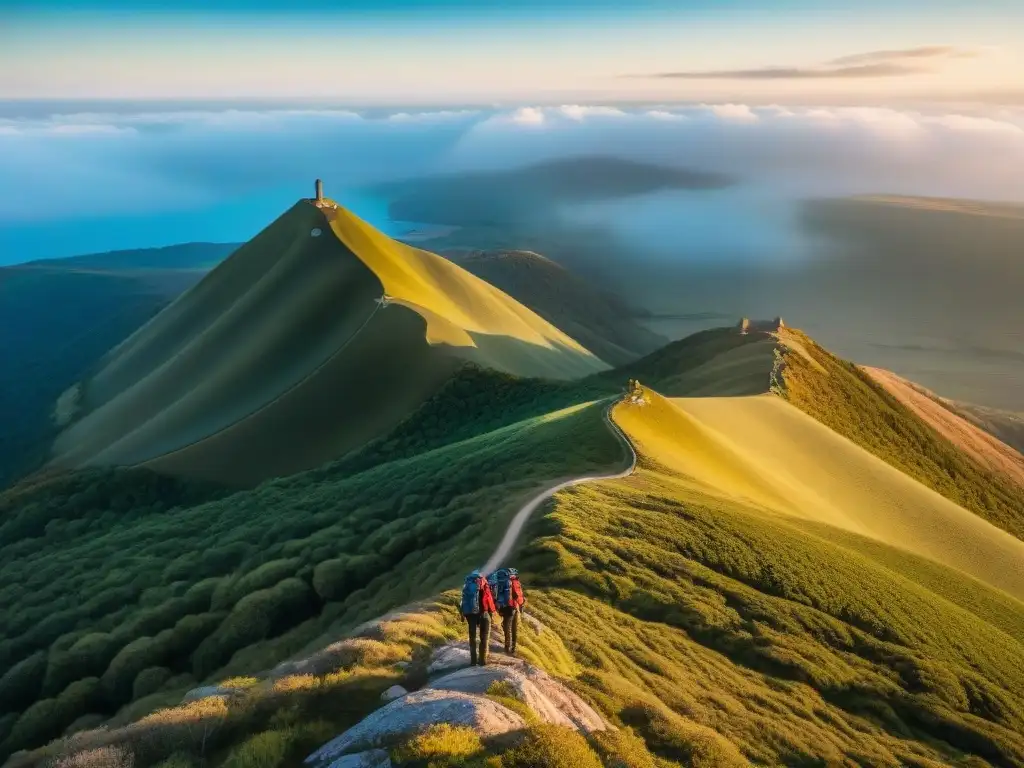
(289, 341)
(599, 320)
(530, 193)
(202, 256)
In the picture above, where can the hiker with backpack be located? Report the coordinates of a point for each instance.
(508, 596)
(477, 608)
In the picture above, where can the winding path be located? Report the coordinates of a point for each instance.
(508, 541)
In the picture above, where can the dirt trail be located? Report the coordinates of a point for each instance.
(508, 541)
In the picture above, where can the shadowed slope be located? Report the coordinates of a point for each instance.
(284, 345)
(764, 452)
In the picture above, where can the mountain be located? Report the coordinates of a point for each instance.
(292, 343)
(190, 256)
(599, 320)
(758, 555)
(533, 192)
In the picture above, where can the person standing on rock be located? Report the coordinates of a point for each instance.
(477, 608)
(508, 596)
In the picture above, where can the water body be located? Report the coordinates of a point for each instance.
(233, 220)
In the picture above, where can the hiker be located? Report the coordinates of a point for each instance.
(477, 609)
(508, 596)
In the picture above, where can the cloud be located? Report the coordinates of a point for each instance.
(577, 112)
(872, 64)
(924, 52)
(94, 169)
(528, 116)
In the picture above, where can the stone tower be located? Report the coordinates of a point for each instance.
(319, 191)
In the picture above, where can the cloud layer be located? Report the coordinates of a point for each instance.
(63, 176)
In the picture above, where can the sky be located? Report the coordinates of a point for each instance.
(535, 51)
(144, 123)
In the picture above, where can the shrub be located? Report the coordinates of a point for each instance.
(622, 749)
(150, 680)
(120, 676)
(254, 618)
(670, 736)
(230, 591)
(88, 657)
(114, 756)
(22, 683)
(439, 745)
(551, 746)
(264, 750)
(36, 725)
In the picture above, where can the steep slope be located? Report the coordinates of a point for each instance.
(54, 324)
(600, 321)
(1006, 426)
(767, 453)
(286, 344)
(980, 445)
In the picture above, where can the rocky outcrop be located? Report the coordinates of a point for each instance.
(457, 695)
(551, 701)
(409, 714)
(392, 693)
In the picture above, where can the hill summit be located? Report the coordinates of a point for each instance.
(320, 333)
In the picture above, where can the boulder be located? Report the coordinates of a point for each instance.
(392, 693)
(208, 691)
(374, 758)
(549, 699)
(418, 710)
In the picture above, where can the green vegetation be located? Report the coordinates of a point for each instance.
(846, 399)
(53, 326)
(600, 321)
(721, 633)
(120, 597)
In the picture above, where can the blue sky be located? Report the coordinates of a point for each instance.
(446, 51)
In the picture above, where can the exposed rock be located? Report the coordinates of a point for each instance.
(548, 698)
(456, 656)
(208, 691)
(411, 713)
(374, 758)
(392, 693)
(534, 622)
(402, 664)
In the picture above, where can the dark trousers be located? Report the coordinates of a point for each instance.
(510, 628)
(481, 622)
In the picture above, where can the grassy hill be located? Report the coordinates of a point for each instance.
(769, 587)
(600, 321)
(293, 347)
(122, 607)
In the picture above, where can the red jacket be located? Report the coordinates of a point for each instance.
(486, 598)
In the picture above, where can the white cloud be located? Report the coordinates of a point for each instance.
(528, 116)
(578, 112)
(739, 113)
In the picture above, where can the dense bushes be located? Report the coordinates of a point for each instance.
(144, 600)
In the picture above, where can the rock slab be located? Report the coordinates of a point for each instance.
(548, 698)
(416, 711)
(392, 693)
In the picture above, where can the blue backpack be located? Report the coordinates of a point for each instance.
(471, 595)
(501, 585)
